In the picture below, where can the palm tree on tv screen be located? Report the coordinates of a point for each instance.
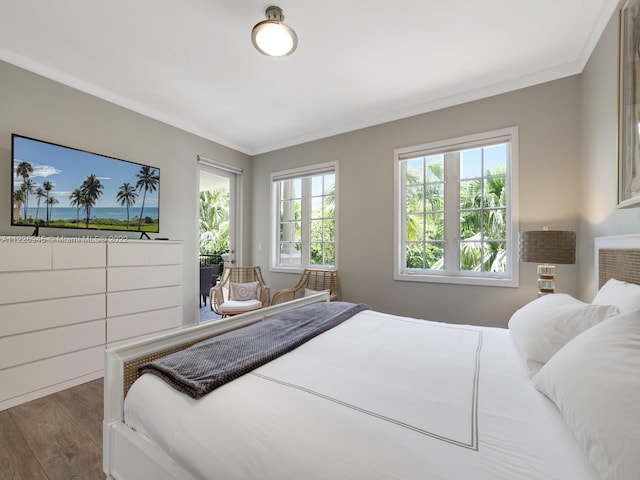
(51, 201)
(75, 200)
(18, 198)
(40, 194)
(91, 190)
(24, 170)
(47, 186)
(148, 180)
(27, 187)
(127, 196)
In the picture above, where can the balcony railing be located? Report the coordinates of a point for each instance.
(210, 259)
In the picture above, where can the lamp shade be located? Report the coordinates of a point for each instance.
(548, 246)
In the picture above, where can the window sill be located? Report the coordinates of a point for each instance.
(457, 280)
(298, 269)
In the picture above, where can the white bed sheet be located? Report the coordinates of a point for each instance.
(378, 397)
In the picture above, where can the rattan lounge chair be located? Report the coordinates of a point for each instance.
(312, 281)
(240, 290)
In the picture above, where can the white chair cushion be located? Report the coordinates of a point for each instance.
(239, 306)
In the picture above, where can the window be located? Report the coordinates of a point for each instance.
(456, 209)
(304, 202)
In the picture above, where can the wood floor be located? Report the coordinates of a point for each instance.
(58, 437)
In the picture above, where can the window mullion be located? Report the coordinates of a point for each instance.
(306, 221)
(403, 215)
(452, 211)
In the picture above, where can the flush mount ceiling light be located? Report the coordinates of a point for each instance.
(272, 37)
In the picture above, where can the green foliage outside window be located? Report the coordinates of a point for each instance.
(482, 211)
(318, 225)
(323, 225)
(214, 221)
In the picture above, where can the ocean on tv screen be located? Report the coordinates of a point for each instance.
(113, 218)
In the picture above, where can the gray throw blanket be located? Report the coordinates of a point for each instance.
(207, 365)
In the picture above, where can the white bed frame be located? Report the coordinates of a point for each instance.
(126, 454)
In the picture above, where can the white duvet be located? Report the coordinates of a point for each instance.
(378, 397)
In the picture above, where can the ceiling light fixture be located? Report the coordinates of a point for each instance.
(272, 37)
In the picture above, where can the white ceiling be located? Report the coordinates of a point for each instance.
(191, 64)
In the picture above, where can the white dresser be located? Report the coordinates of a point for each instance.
(144, 288)
(63, 299)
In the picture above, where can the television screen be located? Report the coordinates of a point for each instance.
(62, 187)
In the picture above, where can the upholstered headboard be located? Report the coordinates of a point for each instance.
(617, 257)
(621, 264)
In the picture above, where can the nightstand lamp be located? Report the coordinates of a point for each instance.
(547, 248)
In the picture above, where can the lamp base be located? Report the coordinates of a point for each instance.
(546, 279)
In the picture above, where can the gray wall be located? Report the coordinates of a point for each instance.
(598, 167)
(548, 119)
(34, 106)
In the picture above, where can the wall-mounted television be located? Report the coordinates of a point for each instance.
(62, 187)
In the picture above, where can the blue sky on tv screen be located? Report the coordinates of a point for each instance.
(66, 168)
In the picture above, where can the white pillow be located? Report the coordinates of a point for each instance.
(595, 383)
(625, 296)
(244, 291)
(545, 325)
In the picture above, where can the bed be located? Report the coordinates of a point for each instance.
(380, 396)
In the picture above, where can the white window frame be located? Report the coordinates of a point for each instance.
(451, 273)
(301, 172)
